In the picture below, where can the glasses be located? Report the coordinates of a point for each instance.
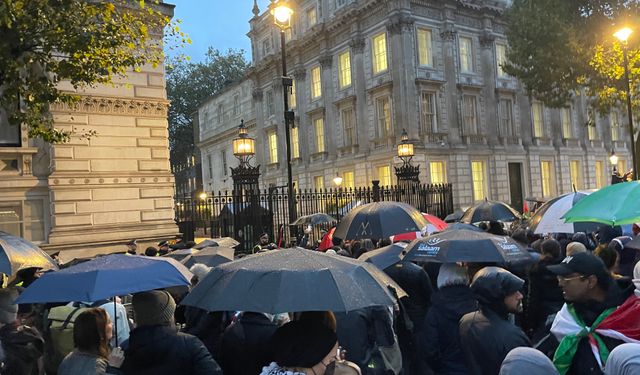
(563, 279)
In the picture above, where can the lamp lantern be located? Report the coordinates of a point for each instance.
(282, 13)
(613, 159)
(337, 180)
(405, 149)
(243, 145)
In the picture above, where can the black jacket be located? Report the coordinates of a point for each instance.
(244, 348)
(159, 350)
(415, 281)
(545, 295)
(486, 338)
(23, 346)
(439, 340)
(207, 326)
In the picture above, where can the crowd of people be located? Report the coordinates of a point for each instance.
(573, 309)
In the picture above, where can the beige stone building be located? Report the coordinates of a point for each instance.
(94, 195)
(365, 70)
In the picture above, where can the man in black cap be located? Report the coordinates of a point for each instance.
(263, 245)
(591, 296)
(487, 335)
(132, 246)
(163, 248)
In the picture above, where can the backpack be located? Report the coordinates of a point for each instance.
(59, 333)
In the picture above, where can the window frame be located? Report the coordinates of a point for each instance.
(484, 182)
(469, 55)
(425, 55)
(470, 129)
(318, 123)
(352, 131)
(316, 85)
(272, 136)
(441, 173)
(344, 70)
(433, 127)
(379, 53)
(382, 130)
(538, 131)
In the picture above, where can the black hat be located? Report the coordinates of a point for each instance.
(302, 343)
(585, 264)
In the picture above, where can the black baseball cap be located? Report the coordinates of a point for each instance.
(585, 264)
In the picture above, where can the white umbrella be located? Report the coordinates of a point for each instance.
(548, 218)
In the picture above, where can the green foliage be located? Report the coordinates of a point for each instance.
(558, 47)
(83, 42)
(188, 85)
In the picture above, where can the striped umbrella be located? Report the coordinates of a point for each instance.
(548, 218)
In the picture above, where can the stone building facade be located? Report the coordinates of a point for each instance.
(365, 70)
(93, 195)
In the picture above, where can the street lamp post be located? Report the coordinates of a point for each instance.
(406, 173)
(282, 13)
(623, 35)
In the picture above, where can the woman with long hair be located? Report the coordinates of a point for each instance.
(92, 331)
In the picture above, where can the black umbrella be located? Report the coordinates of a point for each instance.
(465, 246)
(454, 217)
(291, 280)
(181, 254)
(315, 219)
(223, 241)
(463, 226)
(210, 256)
(490, 211)
(385, 256)
(16, 253)
(380, 220)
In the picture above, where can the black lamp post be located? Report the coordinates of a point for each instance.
(623, 35)
(282, 13)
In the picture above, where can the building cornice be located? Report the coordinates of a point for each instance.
(115, 106)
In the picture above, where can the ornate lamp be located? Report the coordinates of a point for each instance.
(613, 159)
(243, 146)
(405, 149)
(282, 13)
(337, 180)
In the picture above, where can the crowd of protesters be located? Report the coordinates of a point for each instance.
(573, 309)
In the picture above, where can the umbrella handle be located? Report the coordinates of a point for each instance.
(115, 321)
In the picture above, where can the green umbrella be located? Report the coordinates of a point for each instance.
(617, 204)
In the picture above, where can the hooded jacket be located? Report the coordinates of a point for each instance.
(439, 340)
(23, 346)
(624, 360)
(160, 350)
(527, 361)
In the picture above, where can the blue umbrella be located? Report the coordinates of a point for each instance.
(16, 253)
(105, 277)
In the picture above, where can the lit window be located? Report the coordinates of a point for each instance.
(347, 117)
(379, 53)
(470, 114)
(436, 169)
(478, 174)
(565, 119)
(344, 60)
(576, 174)
(312, 17)
(273, 147)
(537, 110)
(466, 55)
(348, 181)
(318, 182)
(425, 51)
(428, 109)
(546, 174)
(295, 143)
(506, 118)
(599, 175)
(384, 175)
(316, 83)
(501, 59)
(383, 117)
(292, 95)
(615, 126)
(319, 127)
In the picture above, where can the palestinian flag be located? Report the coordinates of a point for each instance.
(621, 323)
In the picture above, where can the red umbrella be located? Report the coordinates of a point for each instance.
(437, 223)
(409, 236)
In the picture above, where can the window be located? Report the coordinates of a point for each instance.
(318, 182)
(220, 114)
(379, 51)
(273, 147)
(469, 114)
(312, 17)
(466, 55)
(316, 83)
(622, 166)
(292, 95)
(506, 118)
(428, 112)
(383, 117)
(384, 175)
(348, 119)
(24, 219)
(9, 134)
(615, 126)
(591, 125)
(567, 126)
(224, 163)
(270, 106)
(537, 110)
(348, 180)
(436, 169)
(478, 175)
(344, 60)
(236, 104)
(425, 50)
(266, 47)
(599, 175)
(295, 143)
(209, 167)
(318, 124)
(501, 59)
(576, 174)
(546, 174)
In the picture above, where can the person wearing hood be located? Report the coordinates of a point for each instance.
(487, 335)
(624, 360)
(439, 340)
(155, 347)
(527, 361)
